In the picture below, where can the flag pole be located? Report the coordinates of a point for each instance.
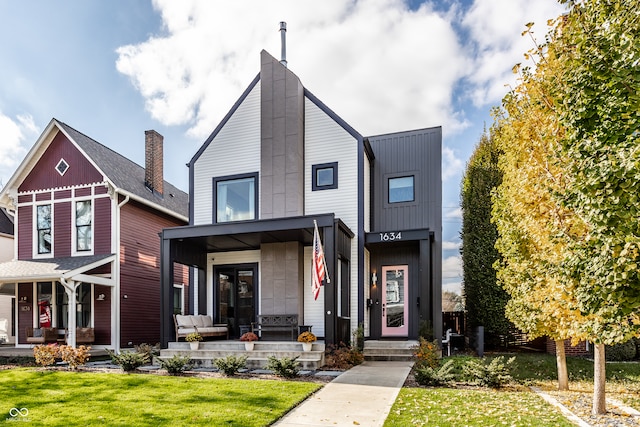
(324, 258)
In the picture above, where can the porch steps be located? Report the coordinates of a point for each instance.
(389, 350)
(208, 351)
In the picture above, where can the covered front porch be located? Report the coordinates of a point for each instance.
(56, 293)
(242, 270)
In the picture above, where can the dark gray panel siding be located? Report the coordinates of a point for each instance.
(415, 153)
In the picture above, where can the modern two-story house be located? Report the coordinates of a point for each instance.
(87, 222)
(280, 162)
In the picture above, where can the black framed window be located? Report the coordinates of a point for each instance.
(43, 224)
(84, 229)
(401, 189)
(235, 198)
(324, 176)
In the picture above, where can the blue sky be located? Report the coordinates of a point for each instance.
(114, 69)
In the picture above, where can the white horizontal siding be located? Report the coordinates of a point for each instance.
(234, 150)
(313, 309)
(326, 142)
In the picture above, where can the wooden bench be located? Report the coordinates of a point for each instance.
(83, 336)
(42, 335)
(200, 323)
(276, 323)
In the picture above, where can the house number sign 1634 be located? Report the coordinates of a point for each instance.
(391, 236)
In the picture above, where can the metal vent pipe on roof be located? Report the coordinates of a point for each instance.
(283, 38)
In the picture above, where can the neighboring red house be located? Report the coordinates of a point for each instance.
(87, 224)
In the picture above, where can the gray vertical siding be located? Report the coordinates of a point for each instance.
(417, 153)
(408, 153)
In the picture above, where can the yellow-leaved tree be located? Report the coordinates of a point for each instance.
(534, 227)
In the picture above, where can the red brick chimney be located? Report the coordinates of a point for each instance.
(153, 175)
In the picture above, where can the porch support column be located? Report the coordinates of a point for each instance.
(166, 292)
(330, 308)
(70, 289)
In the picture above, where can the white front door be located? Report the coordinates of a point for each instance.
(395, 294)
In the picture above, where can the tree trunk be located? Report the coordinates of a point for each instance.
(561, 363)
(599, 380)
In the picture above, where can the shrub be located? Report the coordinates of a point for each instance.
(74, 356)
(45, 355)
(358, 338)
(230, 364)
(427, 353)
(621, 352)
(342, 357)
(128, 360)
(176, 365)
(494, 374)
(426, 330)
(148, 349)
(426, 375)
(286, 367)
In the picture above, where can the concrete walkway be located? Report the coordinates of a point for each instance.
(361, 396)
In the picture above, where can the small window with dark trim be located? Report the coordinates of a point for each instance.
(324, 176)
(401, 189)
(235, 198)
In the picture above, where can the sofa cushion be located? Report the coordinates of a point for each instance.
(184, 321)
(37, 332)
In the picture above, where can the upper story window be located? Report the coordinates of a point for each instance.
(43, 229)
(325, 176)
(235, 198)
(84, 228)
(401, 189)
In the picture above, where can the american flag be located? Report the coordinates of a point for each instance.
(319, 267)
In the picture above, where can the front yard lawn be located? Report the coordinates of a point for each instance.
(60, 398)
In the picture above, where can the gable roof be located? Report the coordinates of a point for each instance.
(127, 175)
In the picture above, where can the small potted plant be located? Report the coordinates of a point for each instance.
(194, 339)
(307, 339)
(248, 338)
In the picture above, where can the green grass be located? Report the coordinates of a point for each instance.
(514, 405)
(58, 398)
(471, 407)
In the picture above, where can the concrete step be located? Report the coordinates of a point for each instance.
(257, 358)
(389, 350)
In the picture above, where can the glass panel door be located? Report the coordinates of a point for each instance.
(395, 293)
(236, 297)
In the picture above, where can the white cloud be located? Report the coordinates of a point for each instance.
(454, 213)
(379, 65)
(495, 28)
(450, 246)
(451, 164)
(452, 267)
(13, 135)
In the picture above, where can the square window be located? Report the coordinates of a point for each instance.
(324, 176)
(401, 189)
(235, 198)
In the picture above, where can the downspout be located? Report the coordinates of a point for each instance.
(115, 319)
